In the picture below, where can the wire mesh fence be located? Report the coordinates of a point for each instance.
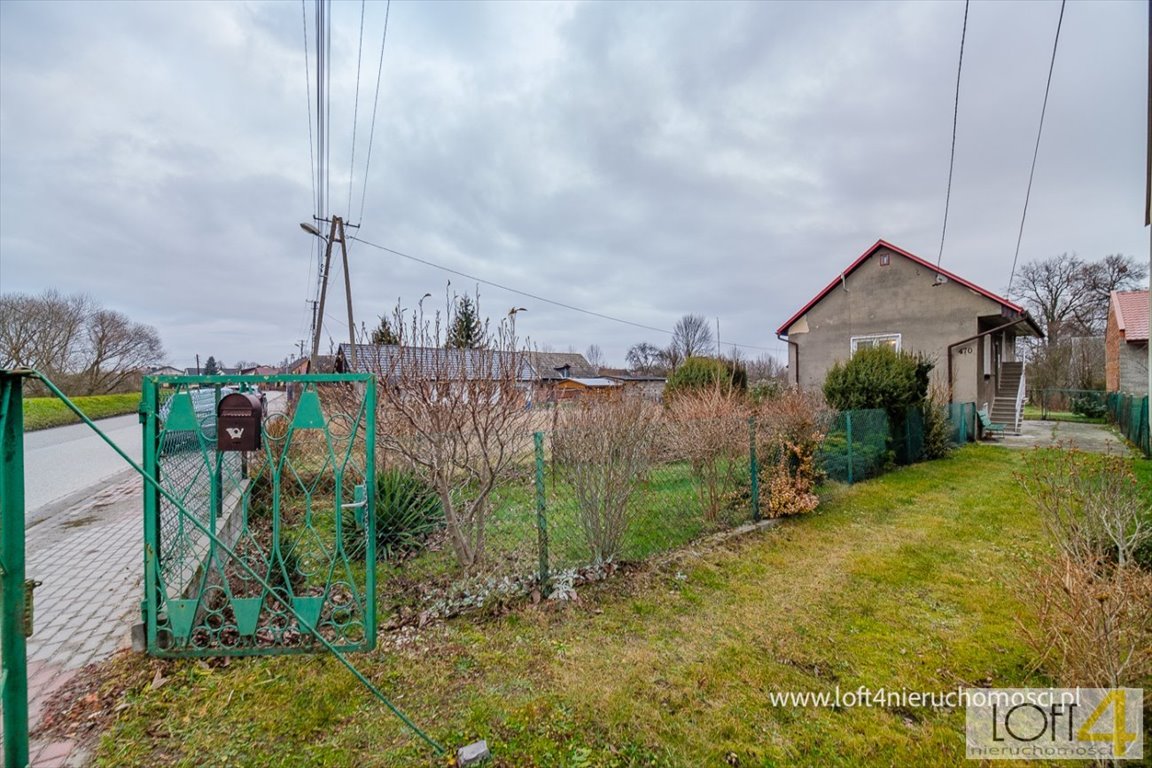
(962, 417)
(1130, 414)
(1071, 404)
(574, 503)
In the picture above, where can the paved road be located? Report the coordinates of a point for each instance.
(66, 464)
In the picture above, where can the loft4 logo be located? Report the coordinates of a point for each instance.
(235, 432)
(1119, 736)
(1051, 723)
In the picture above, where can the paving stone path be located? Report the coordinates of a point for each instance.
(88, 558)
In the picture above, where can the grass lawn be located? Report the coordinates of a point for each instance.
(1035, 413)
(45, 412)
(895, 583)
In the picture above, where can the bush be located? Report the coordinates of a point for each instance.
(708, 428)
(703, 372)
(1091, 407)
(603, 449)
(407, 512)
(879, 377)
(937, 428)
(1093, 597)
(793, 427)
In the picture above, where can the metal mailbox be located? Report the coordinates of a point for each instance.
(238, 422)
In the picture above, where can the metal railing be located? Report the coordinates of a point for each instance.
(1020, 394)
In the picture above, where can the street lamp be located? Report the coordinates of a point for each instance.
(311, 229)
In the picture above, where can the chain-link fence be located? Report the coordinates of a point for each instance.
(572, 504)
(1130, 414)
(1063, 404)
(962, 417)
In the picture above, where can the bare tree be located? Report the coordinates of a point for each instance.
(692, 336)
(83, 347)
(603, 449)
(766, 367)
(1069, 296)
(644, 358)
(454, 416)
(595, 357)
(117, 350)
(1115, 272)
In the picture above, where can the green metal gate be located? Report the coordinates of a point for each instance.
(282, 547)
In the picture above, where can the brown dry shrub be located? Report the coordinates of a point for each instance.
(1093, 599)
(708, 428)
(791, 428)
(603, 448)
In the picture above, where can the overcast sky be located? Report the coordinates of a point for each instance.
(639, 160)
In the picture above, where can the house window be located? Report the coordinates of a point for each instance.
(876, 340)
(885, 259)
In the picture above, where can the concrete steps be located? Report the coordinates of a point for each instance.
(1003, 410)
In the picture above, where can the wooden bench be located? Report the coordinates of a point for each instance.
(986, 422)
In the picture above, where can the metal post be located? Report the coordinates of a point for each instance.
(148, 411)
(323, 296)
(370, 426)
(753, 468)
(848, 423)
(13, 643)
(541, 513)
(348, 296)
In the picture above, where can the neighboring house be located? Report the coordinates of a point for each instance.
(890, 297)
(163, 370)
(580, 388)
(220, 371)
(1126, 343)
(648, 386)
(301, 365)
(560, 376)
(542, 376)
(391, 363)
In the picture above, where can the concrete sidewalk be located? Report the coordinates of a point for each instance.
(1093, 438)
(89, 558)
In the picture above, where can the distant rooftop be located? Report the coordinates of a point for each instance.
(1132, 314)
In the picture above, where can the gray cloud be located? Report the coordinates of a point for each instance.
(641, 160)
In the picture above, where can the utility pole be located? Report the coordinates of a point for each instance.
(335, 234)
(348, 299)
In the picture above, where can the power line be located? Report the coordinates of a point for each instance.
(312, 248)
(1036, 151)
(955, 118)
(308, 90)
(375, 104)
(537, 297)
(355, 111)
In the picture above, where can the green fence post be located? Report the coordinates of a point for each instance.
(541, 513)
(753, 468)
(848, 429)
(13, 642)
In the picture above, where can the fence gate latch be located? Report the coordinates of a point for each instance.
(29, 586)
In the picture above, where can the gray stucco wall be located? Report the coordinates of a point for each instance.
(901, 297)
(1134, 368)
